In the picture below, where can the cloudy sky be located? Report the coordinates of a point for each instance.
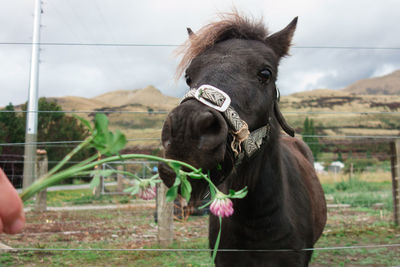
(92, 70)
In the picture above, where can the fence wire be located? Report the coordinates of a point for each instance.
(373, 246)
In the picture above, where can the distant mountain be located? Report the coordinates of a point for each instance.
(148, 96)
(385, 85)
(139, 99)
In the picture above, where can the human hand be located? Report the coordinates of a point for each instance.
(12, 217)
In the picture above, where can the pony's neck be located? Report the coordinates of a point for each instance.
(261, 175)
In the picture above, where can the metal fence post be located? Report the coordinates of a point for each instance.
(395, 167)
(41, 169)
(120, 179)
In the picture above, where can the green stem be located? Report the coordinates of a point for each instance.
(90, 159)
(216, 245)
(200, 176)
(47, 180)
(70, 155)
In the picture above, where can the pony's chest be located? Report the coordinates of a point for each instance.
(261, 233)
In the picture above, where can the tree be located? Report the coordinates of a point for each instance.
(340, 157)
(15, 129)
(54, 125)
(310, 139)
(12, 129)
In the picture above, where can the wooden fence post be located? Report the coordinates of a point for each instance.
(395, 167)
(165, 217)
(41, 169)
(99, 190)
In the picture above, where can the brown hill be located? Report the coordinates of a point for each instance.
(77, 103)
(385, 85)
(148, 96)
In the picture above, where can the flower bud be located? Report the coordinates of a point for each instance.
(222, 207)
(147, 193)
(147, 189)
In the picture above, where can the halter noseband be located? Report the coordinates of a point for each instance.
(244, 142)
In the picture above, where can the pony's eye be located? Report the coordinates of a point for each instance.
(188, 79)
(265, 76)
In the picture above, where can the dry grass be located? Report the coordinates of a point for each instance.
(378, 176)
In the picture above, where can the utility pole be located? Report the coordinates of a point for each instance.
(32, 108)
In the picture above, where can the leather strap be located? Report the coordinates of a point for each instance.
(244, 141)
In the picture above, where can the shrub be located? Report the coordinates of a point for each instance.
(360, 165)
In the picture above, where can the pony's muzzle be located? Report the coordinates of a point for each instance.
(193, 126)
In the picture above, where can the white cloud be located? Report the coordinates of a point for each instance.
(385, 69)
(89, 71)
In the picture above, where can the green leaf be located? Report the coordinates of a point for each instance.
(239, 194)
(231, 192)
(212, 192)
(117, 143)
(172, 193)
(177, 181)
(84, 122)
(104, 173)
(106, 142)
(175, 166)
(101, 123)
(95, 182)
(133, 190)
(205, 205)
(186, 189)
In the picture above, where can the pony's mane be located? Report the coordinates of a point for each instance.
(230, 26)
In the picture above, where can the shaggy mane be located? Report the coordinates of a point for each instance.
(230, 26)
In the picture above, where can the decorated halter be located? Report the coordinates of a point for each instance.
(244, 142)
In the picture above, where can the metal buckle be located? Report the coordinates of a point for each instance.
(204, 87)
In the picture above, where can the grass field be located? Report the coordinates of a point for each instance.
(364, 223)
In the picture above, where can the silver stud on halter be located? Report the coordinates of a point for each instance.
(220, 101)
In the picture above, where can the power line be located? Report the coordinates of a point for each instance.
(89, 111)
(158, 139)
(177, 45)
(71, 142)
(90, 44)
(354, 136)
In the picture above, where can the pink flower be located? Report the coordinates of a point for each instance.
(147, 193)
(222, 207)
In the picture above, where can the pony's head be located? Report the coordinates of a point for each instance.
(232, 108)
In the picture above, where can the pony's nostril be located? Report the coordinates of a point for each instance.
(207, 123)
(210, 131)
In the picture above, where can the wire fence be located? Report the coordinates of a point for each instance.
(72, 143)
(177, 45)
(374, 246)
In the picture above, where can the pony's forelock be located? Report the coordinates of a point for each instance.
(231, 25)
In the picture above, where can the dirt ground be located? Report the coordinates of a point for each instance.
(135, 228)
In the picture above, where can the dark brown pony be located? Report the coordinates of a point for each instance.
(285, 207)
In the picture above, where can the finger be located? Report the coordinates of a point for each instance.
(16, 226)
(11, 207)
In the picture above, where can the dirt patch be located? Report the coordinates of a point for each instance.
(135, 228)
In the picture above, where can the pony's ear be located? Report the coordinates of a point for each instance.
(190, 32)
(281, 41)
